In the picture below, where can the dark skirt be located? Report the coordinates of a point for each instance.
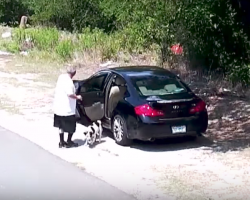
(66, 123)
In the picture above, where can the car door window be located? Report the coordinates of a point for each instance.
(95, 83)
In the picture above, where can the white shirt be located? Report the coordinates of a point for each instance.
(63, 104)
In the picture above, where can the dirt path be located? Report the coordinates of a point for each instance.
(167, 170)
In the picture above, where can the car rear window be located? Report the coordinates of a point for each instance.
(157, 85)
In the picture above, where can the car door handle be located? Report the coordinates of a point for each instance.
(98, 93)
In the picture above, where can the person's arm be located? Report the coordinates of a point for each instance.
(74, 96)
(70, 92)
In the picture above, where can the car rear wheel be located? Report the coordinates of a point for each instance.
(120, 131)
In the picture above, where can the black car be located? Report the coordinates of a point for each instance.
(141, 102)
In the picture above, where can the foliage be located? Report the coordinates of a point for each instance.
(214, 33)
(214, 36)
(65, 49)
(11, 11)
(65, 44)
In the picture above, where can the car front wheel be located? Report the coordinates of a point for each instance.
(120, 131)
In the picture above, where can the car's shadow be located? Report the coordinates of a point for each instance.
(182, 143)
(170, 144)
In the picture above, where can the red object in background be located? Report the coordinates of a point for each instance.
(177, 49)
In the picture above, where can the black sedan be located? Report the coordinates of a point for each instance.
(141, 102)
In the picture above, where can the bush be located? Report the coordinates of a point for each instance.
(42, 38)
(12, 47)
(65, 49)
(11, 11)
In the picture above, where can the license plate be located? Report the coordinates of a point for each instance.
(178, 129)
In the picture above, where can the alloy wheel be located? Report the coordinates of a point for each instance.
(118, 129)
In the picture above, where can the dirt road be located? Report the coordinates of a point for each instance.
(171, 169)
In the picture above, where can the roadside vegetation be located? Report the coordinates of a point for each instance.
(215, 37)
(214, 34)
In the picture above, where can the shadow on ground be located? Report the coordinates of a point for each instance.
(173, 144)
(80, 142)
(229, 109)
(206, 142)
(229, 122)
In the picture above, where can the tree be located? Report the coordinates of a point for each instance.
(11, 11)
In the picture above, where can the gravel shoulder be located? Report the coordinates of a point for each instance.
(167, 170)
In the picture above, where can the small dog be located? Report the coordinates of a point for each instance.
(94, 132)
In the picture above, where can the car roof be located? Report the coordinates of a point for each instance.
(131, 71)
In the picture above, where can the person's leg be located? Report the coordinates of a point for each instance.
(70, 128)
(62, 143)
(58, 124)
(70, 142)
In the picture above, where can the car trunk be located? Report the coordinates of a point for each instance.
(175, 105)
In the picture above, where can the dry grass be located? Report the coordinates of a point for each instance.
(25, 64)
(8, 105)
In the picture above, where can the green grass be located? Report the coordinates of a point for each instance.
(50, 43)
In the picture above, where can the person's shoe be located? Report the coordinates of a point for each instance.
(63, 144)
(71, 144)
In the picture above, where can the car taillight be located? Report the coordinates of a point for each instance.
(147, 110)
(199, 107)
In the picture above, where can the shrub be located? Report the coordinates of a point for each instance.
(65, 49)
(42, 38)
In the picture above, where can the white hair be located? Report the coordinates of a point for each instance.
(70, 69)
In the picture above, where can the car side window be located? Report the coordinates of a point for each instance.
(94, 84)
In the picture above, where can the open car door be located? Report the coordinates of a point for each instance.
(93, 96)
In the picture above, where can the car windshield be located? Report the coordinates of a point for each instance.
(157, 85)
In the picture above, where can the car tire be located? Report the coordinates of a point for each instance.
(120, 131)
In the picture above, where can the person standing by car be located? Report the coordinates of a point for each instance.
(64, 107)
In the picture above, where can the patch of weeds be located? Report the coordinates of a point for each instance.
(44, 43)
(9, 46)
(42, 56)
(65, 49)
(7, 105)
(44, 39)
